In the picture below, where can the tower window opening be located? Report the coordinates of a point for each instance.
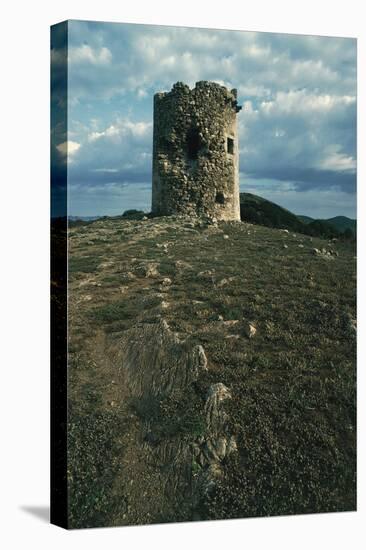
(230, 146)
(193, 144)
(220, 199)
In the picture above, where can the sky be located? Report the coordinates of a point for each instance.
(297, 128)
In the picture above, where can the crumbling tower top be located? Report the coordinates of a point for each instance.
(195, 152)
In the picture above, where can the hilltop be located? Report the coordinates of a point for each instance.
(211, 371)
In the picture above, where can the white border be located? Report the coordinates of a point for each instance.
(25, 269)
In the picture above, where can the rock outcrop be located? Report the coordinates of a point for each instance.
(156, 365)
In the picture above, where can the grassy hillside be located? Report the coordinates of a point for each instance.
(259, 312)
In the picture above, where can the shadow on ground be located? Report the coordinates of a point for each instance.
(40, 512)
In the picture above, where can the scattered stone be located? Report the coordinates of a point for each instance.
(166, 282)
(301, 246)
(285, 246)
(327, 254)
(163, 246)
(225, 281)
(180, 264)
(148, 270)
(123, 289)
(127, 277)
(231, 322)
(205, 274)
(226, 236)
(284, 230)
(249, 329)
(220, 318)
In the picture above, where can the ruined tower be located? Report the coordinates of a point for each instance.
(195, 152)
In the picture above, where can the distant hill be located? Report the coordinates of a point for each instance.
(305, 219)
(342, 223)
(255, 209)
(261, 211)
(84, 218)
(339, 222)
(127, 214)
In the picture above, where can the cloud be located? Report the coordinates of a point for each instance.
(122, 128)
(337, 161)
(87, 54)
(306, 138)
(303, 101)
(105, 170)
(297, 126)
(110, 132)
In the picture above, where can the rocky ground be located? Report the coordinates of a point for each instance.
(211, 372)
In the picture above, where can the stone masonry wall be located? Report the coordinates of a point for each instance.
(195, 152)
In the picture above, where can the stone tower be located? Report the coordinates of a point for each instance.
(195, 152)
